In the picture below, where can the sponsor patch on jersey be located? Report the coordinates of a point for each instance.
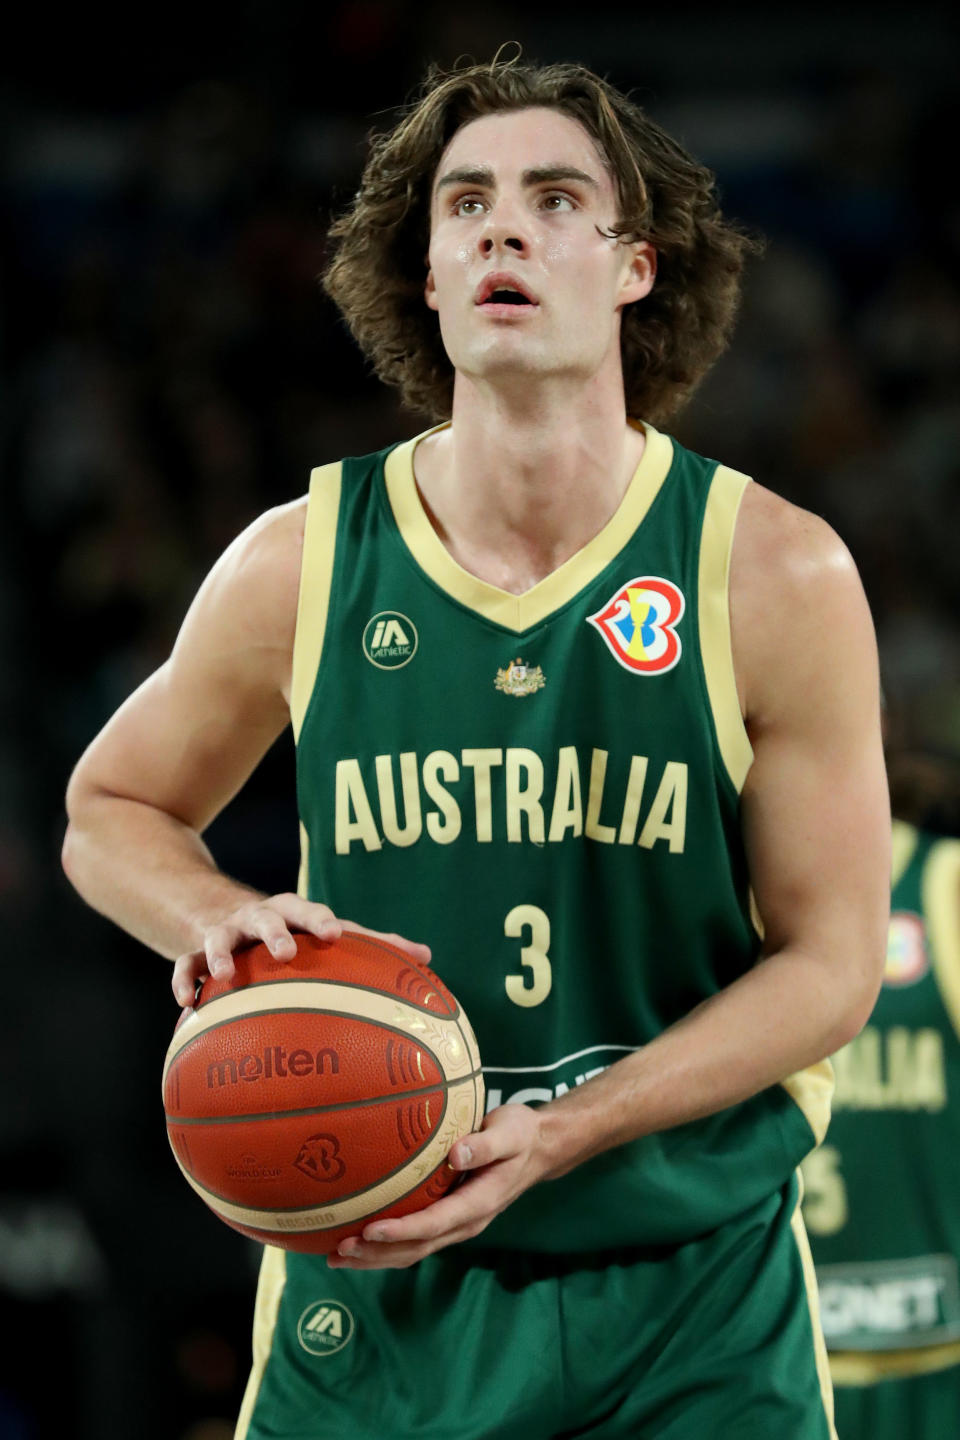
(638, 624)
(325, 1327)
(519, 678)
(907, 957)
(390, 640)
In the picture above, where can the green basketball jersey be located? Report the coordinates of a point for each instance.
(883, 1194)
(545, 789)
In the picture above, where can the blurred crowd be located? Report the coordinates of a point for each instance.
(171, 369)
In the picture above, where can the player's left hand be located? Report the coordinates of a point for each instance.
(503, 1159)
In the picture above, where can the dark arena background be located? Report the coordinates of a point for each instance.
(170, 369)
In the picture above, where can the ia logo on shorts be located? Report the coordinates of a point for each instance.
(390, 640)
(638, 624)
(325, 1327)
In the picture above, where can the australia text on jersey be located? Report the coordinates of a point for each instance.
(437, 790)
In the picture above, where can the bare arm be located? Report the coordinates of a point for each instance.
(180, 749)
(816, 827)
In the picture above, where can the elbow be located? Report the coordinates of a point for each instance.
(863, 996)
(72, 849)
(68, 854)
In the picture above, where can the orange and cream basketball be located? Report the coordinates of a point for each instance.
(306, 1098)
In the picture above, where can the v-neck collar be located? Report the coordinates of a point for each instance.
(521, 612)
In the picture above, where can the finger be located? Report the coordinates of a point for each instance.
(186, 972)
(255, 922)
(358, 1255)
(471, 1204)
(421, 954)
(320, 920)
(309, 916)
(503, 1134)
(218, 947)
(269, 926)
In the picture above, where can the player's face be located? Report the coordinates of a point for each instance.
(523, 279)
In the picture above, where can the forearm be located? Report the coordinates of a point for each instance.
(787, 1013)
(148, 872)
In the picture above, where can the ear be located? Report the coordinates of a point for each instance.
(430, 291)
(640, 274)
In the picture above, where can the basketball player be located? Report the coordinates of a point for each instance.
(563, 693)
(883, 1195)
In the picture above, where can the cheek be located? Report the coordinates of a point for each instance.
(447, 265)
(557, 250)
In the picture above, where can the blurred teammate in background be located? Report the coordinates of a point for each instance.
(564, 693)
(882, 1201)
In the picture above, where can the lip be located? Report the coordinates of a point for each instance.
(502, 280)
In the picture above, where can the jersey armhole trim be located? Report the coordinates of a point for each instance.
(716, 544)
(270, 1288)
(940, 891)
(303, 879)
(904, 839)
(316, 573)
(811, 1090)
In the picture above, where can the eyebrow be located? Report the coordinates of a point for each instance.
(540, 175)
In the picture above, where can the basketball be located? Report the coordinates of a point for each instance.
(304, 1099)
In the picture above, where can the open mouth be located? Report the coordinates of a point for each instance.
(507, 297)
(505, 290)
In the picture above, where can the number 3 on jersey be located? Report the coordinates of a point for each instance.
(533, 987)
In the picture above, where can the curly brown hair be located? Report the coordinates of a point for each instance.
(669, 340)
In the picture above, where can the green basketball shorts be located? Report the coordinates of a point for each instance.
(918, 1407)
(718, 1338)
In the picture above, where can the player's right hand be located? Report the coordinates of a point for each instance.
(272, 919)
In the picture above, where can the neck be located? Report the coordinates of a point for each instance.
(519, 483)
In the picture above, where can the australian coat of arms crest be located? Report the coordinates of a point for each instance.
(519, 678)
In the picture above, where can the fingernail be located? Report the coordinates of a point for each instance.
(348, 1248)
(463, 1157)
(377, 1234)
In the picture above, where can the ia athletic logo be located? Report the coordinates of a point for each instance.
(390, 640)
(638, 625)
(325, 1327)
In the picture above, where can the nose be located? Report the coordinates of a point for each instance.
(504, 230)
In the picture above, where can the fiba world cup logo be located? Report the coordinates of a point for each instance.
(639, 622)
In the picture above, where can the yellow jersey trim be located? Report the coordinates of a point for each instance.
(521, 612)
(813, 1304)
(303, 881)
(316, 572)
(904, 839)
(812, 1091)
(867, 1367)
(940, 892)
(716, 545)
(273, 1278)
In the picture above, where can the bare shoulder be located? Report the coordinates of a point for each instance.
(780, 543)
(267, 556)
(797, 604)
(251, 592)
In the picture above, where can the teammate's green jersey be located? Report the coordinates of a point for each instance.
(545, 789)
(883, 1194)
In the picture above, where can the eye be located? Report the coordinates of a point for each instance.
(558, 203)
(467, 205)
